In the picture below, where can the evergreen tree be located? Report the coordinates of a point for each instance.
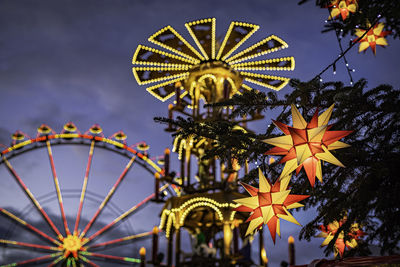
(366, 190)
(385, 10)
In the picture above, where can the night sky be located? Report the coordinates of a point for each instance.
(64, 61)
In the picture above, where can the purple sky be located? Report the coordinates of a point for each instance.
(66, 61)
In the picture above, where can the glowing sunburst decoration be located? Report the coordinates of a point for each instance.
(306, 144)
(329, 231)
(375, 36)
(342, 8)
(268, 204)
(214, 63)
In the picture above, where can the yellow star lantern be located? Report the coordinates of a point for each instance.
(342, 8)
(306, 144)
(375, 36)
(268, 204)
(329, 231)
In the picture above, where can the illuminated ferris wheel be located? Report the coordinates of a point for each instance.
(212, 73)
(74, 238)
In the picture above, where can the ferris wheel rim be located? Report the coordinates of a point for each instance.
(14, 150)
(79, 139)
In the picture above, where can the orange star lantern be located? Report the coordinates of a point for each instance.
(375, 36)
(342, 8)
(268, 204)
(329, 231)
(306, 144)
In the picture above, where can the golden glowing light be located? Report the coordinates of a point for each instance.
(375, 36)
(329, 231)
(71, 245)
(142, 251)
(176, 216)
(342, 8)
(264, 256)
(307, 144)
(268, 204)
(213, 62)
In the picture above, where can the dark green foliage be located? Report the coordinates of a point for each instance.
(368, 10)
(247, 146)
(367, 190)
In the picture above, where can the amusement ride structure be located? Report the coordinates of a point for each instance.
(204, 204)
(77, 244)
(203, 190)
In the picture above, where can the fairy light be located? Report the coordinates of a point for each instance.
(233, 85)
(167, 56)
(69, 136)
(201, 204)
(195, 38)
(232, 215)
(200, 80)
(182, 146)
(168, 218)
(161, 72)
(71, 245)
(252, 51)
(156, 66)
(343, 52)
(266, 80)
(234, 25)
(154, 90)
(339, 39)
(177, 35)
(246, 87)
(270, 64)
(175, 144)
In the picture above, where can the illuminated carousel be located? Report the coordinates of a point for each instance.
(203, 198)
(189, 78)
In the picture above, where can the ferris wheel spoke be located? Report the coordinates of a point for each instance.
(111, 257)
(108, 197)
(29, 226)
(84, 186)
(88, 261)
(33, 260)
(71, 262)
(57, 185)
(123, 216)
(32, 197)
(27, 245)
(119, 240)
(57, 260)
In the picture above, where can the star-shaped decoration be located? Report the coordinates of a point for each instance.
(375, 36)
(329, 231)
(342, 8)
(268, 204)
(307, 144)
